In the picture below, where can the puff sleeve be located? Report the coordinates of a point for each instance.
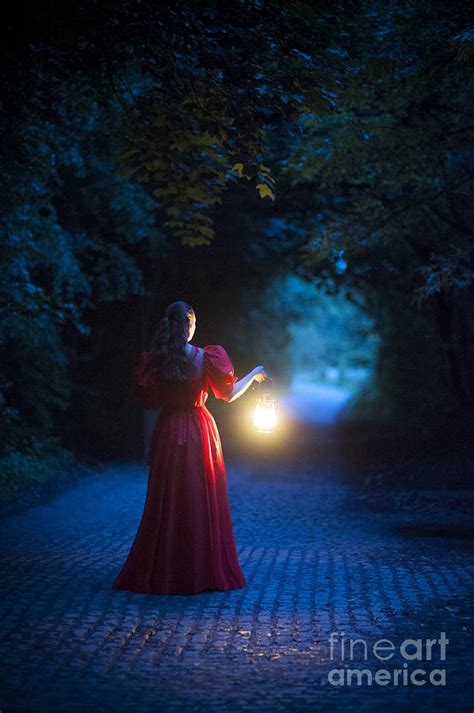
(144, 382)
(219, 371)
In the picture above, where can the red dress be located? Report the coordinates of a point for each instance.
(185, 540)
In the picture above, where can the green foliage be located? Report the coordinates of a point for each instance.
(391, 171)
(328, 330)
(395, 159)
(205, 89)
(70, 232)
(31, 466)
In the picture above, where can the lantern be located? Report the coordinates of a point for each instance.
(264, 417)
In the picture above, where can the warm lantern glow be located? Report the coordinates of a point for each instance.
(265, 417)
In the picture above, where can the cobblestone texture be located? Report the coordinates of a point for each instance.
(314, 565)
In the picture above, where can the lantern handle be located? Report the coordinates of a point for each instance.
(269, 378)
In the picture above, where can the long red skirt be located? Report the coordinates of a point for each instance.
(185, 541)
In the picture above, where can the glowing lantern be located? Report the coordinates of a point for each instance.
(264, 417)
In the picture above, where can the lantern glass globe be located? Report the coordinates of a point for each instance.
(264, 416)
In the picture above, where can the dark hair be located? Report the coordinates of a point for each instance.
(168, 345)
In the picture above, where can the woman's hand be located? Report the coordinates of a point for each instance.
(259, 374)
(241, 386)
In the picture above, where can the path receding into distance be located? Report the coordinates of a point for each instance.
(315, 563)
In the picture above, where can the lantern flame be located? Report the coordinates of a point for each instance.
(264, 418)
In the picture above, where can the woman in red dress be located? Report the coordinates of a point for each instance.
(185, 541)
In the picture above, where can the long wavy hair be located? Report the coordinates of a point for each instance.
(168, 345)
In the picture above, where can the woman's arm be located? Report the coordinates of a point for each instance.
(241, 386)
(149, 421)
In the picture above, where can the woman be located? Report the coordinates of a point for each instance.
(185, 541)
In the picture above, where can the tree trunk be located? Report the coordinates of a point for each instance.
(466, 357)
(443, 311)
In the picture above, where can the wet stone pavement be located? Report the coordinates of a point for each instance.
(314, 564)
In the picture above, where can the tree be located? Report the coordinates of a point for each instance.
(392, 172)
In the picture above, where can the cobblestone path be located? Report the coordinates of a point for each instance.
(314, 564)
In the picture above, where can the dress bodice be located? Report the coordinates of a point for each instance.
(212, 367)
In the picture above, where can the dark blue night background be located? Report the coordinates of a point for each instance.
(302, 174)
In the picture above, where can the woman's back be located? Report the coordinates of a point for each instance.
(210, 367)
